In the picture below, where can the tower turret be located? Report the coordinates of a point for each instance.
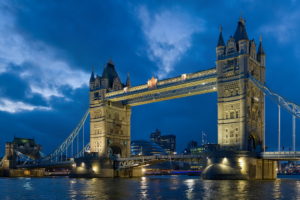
(261, 56)
(128, 82)
(253, 49)
(231, 46)
(92, 80)
(220, 49)
(241, 37)
(240, 32)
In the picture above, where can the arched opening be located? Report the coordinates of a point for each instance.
(114, 151)
(251, 143)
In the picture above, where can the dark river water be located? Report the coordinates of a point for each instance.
(151, 187)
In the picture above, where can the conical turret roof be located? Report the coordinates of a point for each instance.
(221, 40)
(241, 33)
(92, 79)
(260, 49)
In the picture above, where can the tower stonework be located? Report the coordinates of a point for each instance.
(240, 102)
(109, 121)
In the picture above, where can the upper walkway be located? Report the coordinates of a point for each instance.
(159, 90)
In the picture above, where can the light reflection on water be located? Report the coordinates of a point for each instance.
(153, 187)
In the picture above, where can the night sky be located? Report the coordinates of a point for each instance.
(48, 48)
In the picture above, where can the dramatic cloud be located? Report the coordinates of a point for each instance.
(10, 106)
(39, 63)
(169, 35)
(285, 28)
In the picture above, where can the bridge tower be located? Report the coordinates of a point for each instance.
(109, 121)
(240, 102)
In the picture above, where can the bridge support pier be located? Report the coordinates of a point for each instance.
(91, 166)
(231, 165)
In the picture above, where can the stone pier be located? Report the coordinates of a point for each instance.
(236, 165)
(94, 167)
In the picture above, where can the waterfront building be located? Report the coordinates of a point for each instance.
(195, 149)
(167, 142)
(155, 136)
(146, 148)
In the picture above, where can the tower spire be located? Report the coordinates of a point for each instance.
(241, 33)
(128, 82)
(260, 47)
(221, 40)
(92, 79)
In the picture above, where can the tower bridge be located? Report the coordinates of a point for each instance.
(239, 80)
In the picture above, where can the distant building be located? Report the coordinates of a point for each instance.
(167, 142)
(18, 149)
(155, 136)
(191, 145)
(193, 148)
(146, 148)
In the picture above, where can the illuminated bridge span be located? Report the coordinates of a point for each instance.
(160, 90)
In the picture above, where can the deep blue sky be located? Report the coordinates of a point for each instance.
(48, 48)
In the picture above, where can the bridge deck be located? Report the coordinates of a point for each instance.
(281, 155)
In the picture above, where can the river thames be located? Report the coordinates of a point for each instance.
(150, 187)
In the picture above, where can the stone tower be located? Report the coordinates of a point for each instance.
(240, 102)
(109, 121)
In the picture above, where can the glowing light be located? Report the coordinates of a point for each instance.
(225, 161)
(82, 164)
(242, 164)
(183, 77)
(214, 88)
(152, 82)
(256, 98)
(208, 161)
(74, 165)
(125, 89)
(26, 172)
(95, 168)
(144, 170)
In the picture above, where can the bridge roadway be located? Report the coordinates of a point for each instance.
(123, 162)
(147, 160)
(281, 155)
(160, 90)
